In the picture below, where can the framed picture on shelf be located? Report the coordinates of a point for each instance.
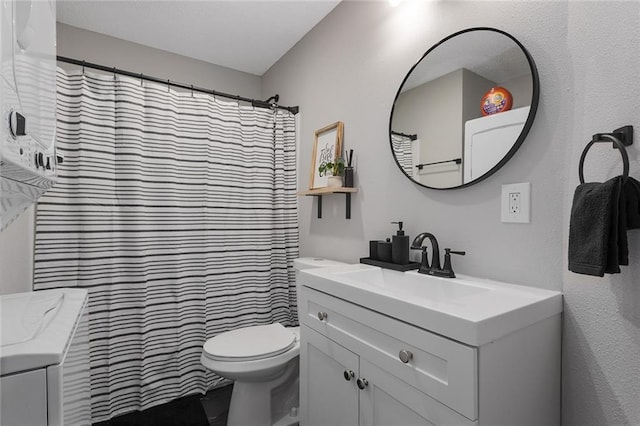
(327, 146)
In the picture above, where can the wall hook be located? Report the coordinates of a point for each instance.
(624, 134)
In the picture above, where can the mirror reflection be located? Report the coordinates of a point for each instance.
(448, 128)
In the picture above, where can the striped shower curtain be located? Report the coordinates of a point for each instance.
(402, 148)
(177, 212)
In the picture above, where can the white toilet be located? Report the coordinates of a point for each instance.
(263, 362)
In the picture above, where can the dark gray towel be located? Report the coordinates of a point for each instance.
(600, 217)
(631, 194)
(628, 216)
(593, 231)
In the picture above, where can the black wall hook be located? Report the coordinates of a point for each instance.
(624, 134)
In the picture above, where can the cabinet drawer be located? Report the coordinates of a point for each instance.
(442, 368)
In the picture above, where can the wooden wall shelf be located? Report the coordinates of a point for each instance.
(319, 192)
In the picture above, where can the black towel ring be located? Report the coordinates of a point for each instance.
(617, 142)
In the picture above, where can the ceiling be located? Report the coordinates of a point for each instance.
(244, 35)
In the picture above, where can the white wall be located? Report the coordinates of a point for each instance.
(349, 68)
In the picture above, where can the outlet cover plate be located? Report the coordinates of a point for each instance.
(521, 192)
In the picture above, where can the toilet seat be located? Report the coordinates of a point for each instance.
(250, 343)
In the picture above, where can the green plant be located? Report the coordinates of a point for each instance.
(335, 167)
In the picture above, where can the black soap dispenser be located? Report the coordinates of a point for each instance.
(400, 247)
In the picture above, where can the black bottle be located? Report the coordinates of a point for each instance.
(400, 247)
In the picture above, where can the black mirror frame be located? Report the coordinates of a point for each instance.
(535, 97)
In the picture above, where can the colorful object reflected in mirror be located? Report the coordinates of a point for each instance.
(497, 99)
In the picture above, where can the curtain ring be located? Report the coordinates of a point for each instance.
(619, 145)
(83, 67)
(168, 85)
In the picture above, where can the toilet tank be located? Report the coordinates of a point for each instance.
(314, 262)
(488, 139)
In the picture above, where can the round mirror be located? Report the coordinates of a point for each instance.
(464, 109)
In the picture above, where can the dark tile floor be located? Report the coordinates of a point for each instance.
(216, 405)
(194, 410)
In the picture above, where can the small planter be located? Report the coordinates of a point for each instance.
(334, 181)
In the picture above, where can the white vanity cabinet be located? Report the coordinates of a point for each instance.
(407, 375)
(325, 363)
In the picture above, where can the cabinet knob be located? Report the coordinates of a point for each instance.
(349, 374)
(322, 316)
(362, 383)
(405, 356)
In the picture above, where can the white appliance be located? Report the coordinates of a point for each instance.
(488, 139)
(44, 358)
(28, 159)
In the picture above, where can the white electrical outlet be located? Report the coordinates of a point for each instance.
(516, 203)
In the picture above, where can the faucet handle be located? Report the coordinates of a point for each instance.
(447, 269)
(424, 260)
(461, 253)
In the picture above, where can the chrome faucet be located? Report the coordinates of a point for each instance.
(434, 269)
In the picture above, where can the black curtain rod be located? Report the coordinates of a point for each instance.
(412, 137)
(114, 70)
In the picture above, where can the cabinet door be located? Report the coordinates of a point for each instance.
(24, 399)
(441, 368)
(388, 401)
(326, 397)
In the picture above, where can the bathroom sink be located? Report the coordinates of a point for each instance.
(471, 310)
(413, 285)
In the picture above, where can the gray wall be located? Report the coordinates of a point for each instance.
(521, 90)
(438, 125)
(602, 316)
(437, 112)
(349, 68)
(86, 45)
(474, 87)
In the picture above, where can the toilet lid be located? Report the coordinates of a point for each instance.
(250, 343)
